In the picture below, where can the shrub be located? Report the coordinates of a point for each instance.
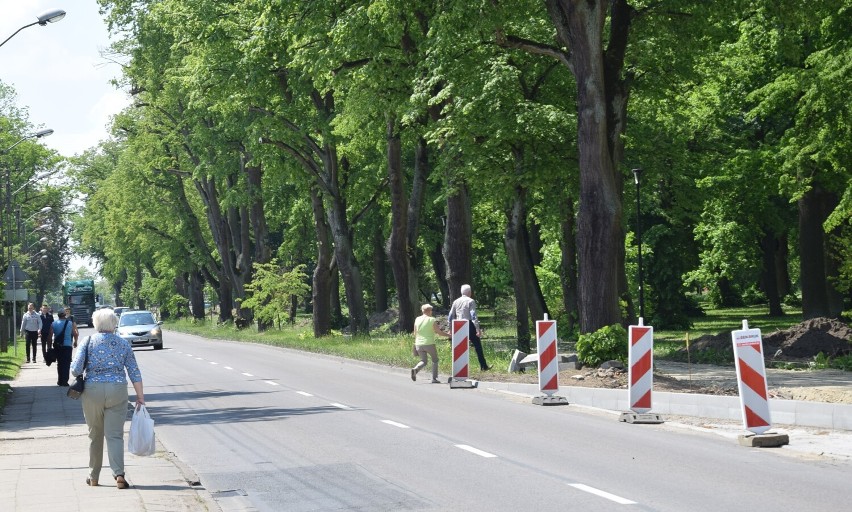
(602, 345)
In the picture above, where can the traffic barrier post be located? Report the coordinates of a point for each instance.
(460, 330)
(640, 374)
(548, 363)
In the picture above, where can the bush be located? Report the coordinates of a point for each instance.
(602, 345)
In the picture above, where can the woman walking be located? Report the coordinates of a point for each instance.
(107, 358)
(425, 329)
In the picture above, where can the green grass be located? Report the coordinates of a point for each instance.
(10, 365)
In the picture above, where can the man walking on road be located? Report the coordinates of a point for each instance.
(30, 327)
(464, 308)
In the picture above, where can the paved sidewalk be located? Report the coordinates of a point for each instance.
(44, 459)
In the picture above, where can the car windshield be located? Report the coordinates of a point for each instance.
(136, 319)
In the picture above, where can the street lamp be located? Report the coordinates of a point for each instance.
(35, 178)
(37, 135)
(43, 19)
(49, 17)
(636, 173)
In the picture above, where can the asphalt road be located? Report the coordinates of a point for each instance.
(299, 432)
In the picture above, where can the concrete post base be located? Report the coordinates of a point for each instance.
(550, 400)
(765, 440)
(646, 417)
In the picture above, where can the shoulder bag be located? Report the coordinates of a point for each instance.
(76, 389)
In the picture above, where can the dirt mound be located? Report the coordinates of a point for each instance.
(387, 319)
(719, 343)
(801, 341)
(807, 339)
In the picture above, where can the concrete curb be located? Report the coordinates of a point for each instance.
(786, 412)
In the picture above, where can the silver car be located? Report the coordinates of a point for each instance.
(140, 329)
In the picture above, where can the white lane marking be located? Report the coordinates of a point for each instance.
(395, 424)
(340, 406)
(189, 355)
(227, 367)
(304, 393)
(271, 383)
(603, 494)
(476, 451)
(200, 359)
(213, 362)
(248, 375)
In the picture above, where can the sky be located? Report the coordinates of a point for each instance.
(60, 76)
(58, 72)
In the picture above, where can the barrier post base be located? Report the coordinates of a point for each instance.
(549, 400)
(645, 417)
(462, 384)
(765, 440)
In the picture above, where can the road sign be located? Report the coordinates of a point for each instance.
(751, 379)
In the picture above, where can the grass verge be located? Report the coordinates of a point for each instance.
(10, 365)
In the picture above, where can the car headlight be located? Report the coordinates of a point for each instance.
(155, 331)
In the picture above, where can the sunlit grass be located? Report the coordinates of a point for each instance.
(10, 365)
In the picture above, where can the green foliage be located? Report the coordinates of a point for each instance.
(271, 289)
(605, 344)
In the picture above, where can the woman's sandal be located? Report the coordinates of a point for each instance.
(91, 482)
(121, 483)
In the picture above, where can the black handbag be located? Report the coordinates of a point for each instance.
(76, 389)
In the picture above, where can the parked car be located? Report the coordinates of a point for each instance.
(119, 310)
(141, 329)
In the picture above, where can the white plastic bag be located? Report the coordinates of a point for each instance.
(141, 440)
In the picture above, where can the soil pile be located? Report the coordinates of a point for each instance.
(805, 340)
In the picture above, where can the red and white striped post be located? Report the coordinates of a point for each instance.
(751, 379)
(460, 330)
(548, 363)
(640, 374)
(641, 367)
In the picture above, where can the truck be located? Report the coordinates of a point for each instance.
(80, 297)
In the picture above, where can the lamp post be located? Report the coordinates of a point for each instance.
(49, 17)
(43, 19)
(636, 173)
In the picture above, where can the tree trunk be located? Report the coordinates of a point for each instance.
(321, 289)
(568, 265)
(397, 246)
(782, 272)
(458, 241)
(768, 279)
(195, 282)
(380, 283)
(812, 255)
(832, 262)
(514, 241)
(347, 265)
(262, 253)
(436, 256)
(580, 27)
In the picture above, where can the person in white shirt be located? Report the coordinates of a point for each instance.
(464, 308)
(30, 328)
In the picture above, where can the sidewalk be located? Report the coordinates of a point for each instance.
(44, 448)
